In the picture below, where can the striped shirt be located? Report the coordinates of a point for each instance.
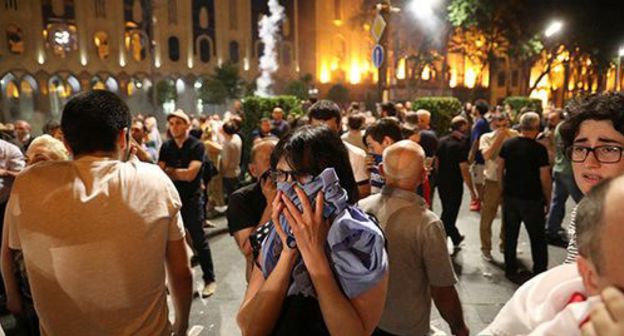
(572, 247)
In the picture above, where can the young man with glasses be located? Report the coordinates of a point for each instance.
(594, 138)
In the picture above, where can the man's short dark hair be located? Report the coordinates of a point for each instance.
(589, 223)
(600, 107)
(389, 108)
(482, 106)
(384, 127)
(51, 126)
(92, 120)
(325, 110)
(356, 121)
(230, 127)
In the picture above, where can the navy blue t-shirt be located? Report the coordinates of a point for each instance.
(480, 127)
(181, 157)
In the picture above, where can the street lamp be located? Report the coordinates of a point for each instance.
(553, 28)
(617, 74)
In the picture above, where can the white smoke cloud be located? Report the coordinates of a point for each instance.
(269, 29)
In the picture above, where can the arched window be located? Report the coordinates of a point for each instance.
(174, 48)
(136, 44)
(233, 14)
(173, 11)
(100, 8)
(15, 39)
(97, 84)
(286, 27)
(234, 52)
(205, 49)
(101, 44)
(203, 18)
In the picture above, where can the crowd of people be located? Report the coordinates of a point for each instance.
(332, 211)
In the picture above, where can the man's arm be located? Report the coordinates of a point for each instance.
(180, 283)
(242, 236)
(465, 171)
(184, 174)
(447, 302)
(489, 151)
(500, 171)
(546, 183)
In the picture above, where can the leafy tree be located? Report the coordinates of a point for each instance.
(297, 88)
(225, 83)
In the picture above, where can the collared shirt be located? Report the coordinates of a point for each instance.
(417, 256)
(11, 158)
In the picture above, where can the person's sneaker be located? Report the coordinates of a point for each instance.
(475, 205)
(209, 289)
(459, 241)
(208, 224)
(487, 256)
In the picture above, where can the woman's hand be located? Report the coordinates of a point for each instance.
(309, 227)
(278, 208)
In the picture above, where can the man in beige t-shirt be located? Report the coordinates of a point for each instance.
(490, 145)
(420, 267)
(97, 232)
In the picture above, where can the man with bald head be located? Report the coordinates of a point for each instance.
(250, 206)
(420, 267)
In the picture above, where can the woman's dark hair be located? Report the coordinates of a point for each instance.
(92, 120)
(311, 149)
(607, 106)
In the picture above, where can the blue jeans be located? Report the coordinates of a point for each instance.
(563, 186)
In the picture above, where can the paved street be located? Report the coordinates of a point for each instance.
(482, 286)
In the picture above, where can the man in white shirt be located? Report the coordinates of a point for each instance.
(490, 145)
(97, 232)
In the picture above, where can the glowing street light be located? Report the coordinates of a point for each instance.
(422, 8)
(554, 28)
(619, 64)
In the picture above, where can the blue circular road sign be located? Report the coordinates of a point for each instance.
(378, 56)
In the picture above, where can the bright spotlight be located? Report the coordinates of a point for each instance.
(553, 28)
(621, 52)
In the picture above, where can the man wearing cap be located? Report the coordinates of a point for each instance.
(181, 157)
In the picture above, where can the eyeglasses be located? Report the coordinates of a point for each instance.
(604, 154)
(279, 175)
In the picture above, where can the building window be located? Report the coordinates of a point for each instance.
(233, 14)
(173, 11)
(234, 52)
(286, 55)
(204, 49)
(100, 39)
(501, 79)
(286, 27)
(136, 44)
(514, 78)
(100, 8)
(203, 18)
(10, 4)
(337, 9)
(15, 39)
(174, 49)
(62, 39)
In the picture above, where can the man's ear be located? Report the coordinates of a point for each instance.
(382, 170)
(123, 139)
(588, 273)
(387, 141)
(252, 170)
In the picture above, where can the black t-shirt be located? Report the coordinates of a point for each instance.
(451, 152)
(429, 142)
(523, 159)
(176, 157)
(245, 207)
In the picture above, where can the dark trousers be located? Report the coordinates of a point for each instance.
(230, 184)
(451, 198)
(531, 212)
(193, 216)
